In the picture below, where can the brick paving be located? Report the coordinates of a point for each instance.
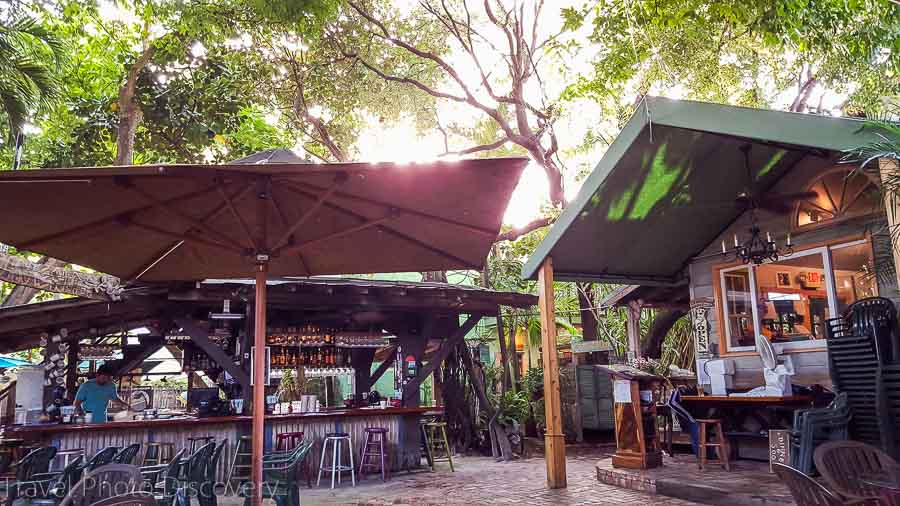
(480, 480)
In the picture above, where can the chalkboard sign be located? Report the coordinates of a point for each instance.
(779, 447)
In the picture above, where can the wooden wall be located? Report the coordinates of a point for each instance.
(811, 366)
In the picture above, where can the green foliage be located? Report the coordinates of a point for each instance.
(533, 382)
(290, 388)
(512, 408)
(31, 56)
(742, 52)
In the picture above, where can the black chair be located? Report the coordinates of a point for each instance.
(48, 489)
(888, 405)
(102, 458)
(163, 478)
(127, 455)
(280, 474)
(102, 483)
(813, 427)
(206, 493)
(36, 463)
(854, 362)
(876, 316)
(131, 499)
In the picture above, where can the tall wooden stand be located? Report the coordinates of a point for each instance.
(554, 440)
(637, 441)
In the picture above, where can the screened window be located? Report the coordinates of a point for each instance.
(789, 300)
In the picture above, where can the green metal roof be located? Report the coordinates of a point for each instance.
(666, 186)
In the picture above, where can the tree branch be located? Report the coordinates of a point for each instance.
(476, 149)
(512, 235)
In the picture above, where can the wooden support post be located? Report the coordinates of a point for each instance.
(554, 440)
(633, 329)
(200, 337)
(72, 371)
(362, 366)
(259, 387)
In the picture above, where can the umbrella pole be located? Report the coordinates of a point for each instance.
(259, 387)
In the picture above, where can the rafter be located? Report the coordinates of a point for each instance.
(186, 238)
(284, 222)
(339, 179)
(337, 235)
(229, 203)
(392, 231)
(413, 212)
(109, 219)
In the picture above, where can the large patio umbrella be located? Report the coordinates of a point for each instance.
(190, 222)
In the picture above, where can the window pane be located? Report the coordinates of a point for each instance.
(854, 274)
(793, 300)
(738, 311)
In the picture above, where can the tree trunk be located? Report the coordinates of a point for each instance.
(662, 322)
(435, 276)
(130, 115)
(586, 307)
(499, 436)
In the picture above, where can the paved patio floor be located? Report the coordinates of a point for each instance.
(480, 480)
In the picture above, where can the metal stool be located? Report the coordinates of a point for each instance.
(336, 438)
(375, 437)
(436, 434)
(242, 461)
(158, 453)
(721, 444)
(198, 442)
(68, 455)
(285, 441)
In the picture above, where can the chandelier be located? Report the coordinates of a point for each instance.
(755, 249)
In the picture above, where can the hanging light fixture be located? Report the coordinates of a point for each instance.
(755, 249)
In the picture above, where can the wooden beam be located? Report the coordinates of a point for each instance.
(633, 328)
(201, 339)
(133, 356)
(384, 366)
(362, 366)
(447, 346)
(72, 371)
(554, 440)
(44, 276)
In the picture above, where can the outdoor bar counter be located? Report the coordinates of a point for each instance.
(403, 435)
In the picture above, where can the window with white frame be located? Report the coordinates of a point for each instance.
(789, 300)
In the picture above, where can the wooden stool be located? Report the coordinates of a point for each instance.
(67, 456)
(424, 447)
(721, 444)
(158, 453)
(375, 437)
(241, 464)
(198, 442)
(285, 441)
(437, 440)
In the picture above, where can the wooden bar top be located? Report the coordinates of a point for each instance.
(747, 400)
(38, 429)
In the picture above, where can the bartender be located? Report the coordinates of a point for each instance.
(94, 395)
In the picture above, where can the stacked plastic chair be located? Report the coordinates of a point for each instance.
(854, 362)
(888, 405)
(812, 427)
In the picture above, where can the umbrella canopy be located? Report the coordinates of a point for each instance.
(190, 222)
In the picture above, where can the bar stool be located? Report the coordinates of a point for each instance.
(68, 455)
(242, 461)
(336, 438)
(158, 453)
(721, 444)
(199, 442)
(436, 433)
(285, 441)
(375, 437)
(424, 447)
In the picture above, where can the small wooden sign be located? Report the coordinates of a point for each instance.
(779, 448)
